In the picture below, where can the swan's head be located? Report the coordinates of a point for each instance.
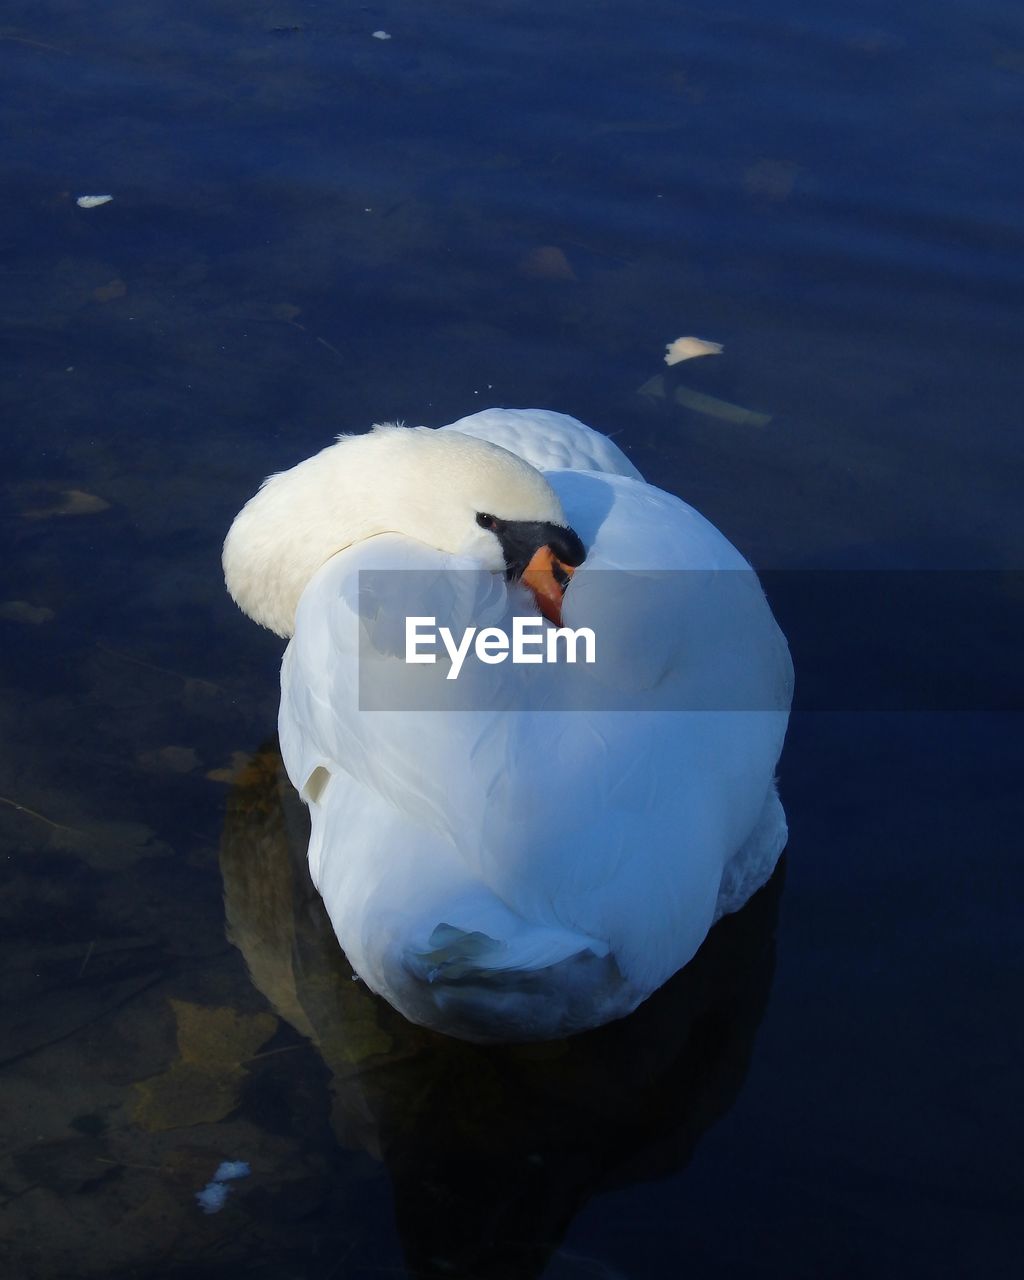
(493, 506)
(459, 494)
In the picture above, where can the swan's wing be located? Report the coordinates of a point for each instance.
(398, 797)
(547, 440)
(621, 809)
(608, 812)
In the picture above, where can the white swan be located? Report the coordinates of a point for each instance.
(542, 852)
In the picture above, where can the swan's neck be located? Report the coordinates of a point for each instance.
(355, 489)
(427, 485)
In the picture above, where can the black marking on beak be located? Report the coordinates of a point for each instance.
(521, 539)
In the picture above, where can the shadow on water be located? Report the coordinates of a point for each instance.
(490, 1152)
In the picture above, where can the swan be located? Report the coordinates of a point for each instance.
(526, 851)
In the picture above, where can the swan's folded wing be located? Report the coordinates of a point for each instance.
(350, 702)
(582, 815)
(547, 440)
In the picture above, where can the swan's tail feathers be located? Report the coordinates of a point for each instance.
(453, 953)
(537, 987)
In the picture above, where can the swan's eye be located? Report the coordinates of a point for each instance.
(486, 521)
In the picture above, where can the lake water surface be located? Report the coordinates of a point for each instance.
(516, 204)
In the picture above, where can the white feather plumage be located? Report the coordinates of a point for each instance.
(506, 871)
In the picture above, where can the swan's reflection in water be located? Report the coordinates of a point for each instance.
(490, 1151)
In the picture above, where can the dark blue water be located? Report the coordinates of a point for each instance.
(510, 204)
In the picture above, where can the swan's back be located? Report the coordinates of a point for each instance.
(547, 440)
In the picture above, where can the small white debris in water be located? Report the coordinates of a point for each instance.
(690, 349)
(214, 1195)
(90, 202)
(381, 35)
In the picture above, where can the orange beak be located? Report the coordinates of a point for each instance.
(547, 577)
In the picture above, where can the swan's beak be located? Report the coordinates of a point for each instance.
(541, 555)
(547, 577)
